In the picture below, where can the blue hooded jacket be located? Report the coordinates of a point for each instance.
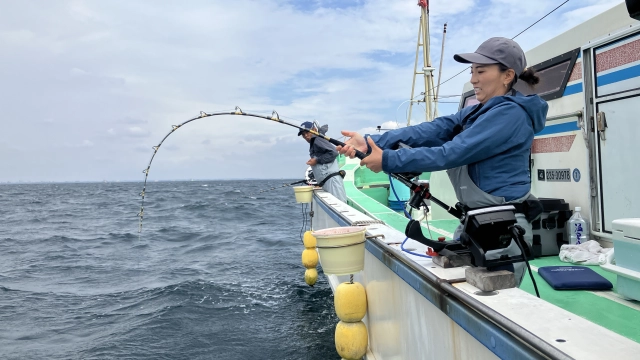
(495, 143)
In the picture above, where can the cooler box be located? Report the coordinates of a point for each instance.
(626, 244)
(549, 229)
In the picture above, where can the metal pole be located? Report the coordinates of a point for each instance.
(428, 88)
(444, 35)
(415, 72)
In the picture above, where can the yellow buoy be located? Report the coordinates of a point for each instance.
(309, 240)
(311, 276)
(351, 340)
(310, 258)
(350, 301)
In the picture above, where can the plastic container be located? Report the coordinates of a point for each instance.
(577, 227)
(626, 245)
(626, 242)
(341, 249)
(304, 194)
(403, 192)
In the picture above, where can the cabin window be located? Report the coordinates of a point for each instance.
(554, 74)
(550, 80)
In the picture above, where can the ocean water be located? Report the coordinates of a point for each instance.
(215, 274)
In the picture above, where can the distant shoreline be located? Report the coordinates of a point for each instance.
(137, 181)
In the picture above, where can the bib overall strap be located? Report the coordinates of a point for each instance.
(342, 174)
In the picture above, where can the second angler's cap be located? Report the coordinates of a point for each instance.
(307, 125)
(497, 50)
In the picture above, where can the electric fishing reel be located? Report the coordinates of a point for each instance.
(484, 229)
(310, 177)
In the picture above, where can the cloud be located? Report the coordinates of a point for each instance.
(82, 144)
(16, 37)
(120, 73)
(132, 121)
(77, 72)
(137, 132)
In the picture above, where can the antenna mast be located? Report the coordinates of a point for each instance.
(427, 69)
(435, 99)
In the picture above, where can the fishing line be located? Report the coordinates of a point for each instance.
(254, 195)
(238, 112)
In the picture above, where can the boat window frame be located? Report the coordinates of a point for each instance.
(572, 57)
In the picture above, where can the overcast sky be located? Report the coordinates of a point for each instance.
(88, 87)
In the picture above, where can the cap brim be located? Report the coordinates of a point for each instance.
(474, 58)
(300, 132)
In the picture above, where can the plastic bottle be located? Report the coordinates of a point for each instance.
(578, 228)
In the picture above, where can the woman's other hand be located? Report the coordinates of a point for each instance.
(374, 160)
(355, 142)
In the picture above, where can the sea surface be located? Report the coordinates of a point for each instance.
(214, 274)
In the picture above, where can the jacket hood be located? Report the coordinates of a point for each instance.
(534, 106)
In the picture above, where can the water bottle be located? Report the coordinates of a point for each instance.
(578, 228)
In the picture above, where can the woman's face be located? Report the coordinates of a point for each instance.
(488, 81)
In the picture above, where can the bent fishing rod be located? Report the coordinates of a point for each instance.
(420, 190)
(238, 112)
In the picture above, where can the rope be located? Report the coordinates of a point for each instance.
(304, 222)
(311, 217)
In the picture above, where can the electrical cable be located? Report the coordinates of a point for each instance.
(530, 26)
(519, 236)
(408, 216)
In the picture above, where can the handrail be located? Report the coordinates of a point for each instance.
(578, 113)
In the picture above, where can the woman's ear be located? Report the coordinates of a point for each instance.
(509, 76)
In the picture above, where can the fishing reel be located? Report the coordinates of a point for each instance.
(484, 229)
(420, 192)
(310, 177)
(493, 228)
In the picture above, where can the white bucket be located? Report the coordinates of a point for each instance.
(341, 249)
(304, 194)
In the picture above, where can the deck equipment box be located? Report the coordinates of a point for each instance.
(549, 228)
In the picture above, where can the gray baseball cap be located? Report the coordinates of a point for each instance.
(497, 50)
